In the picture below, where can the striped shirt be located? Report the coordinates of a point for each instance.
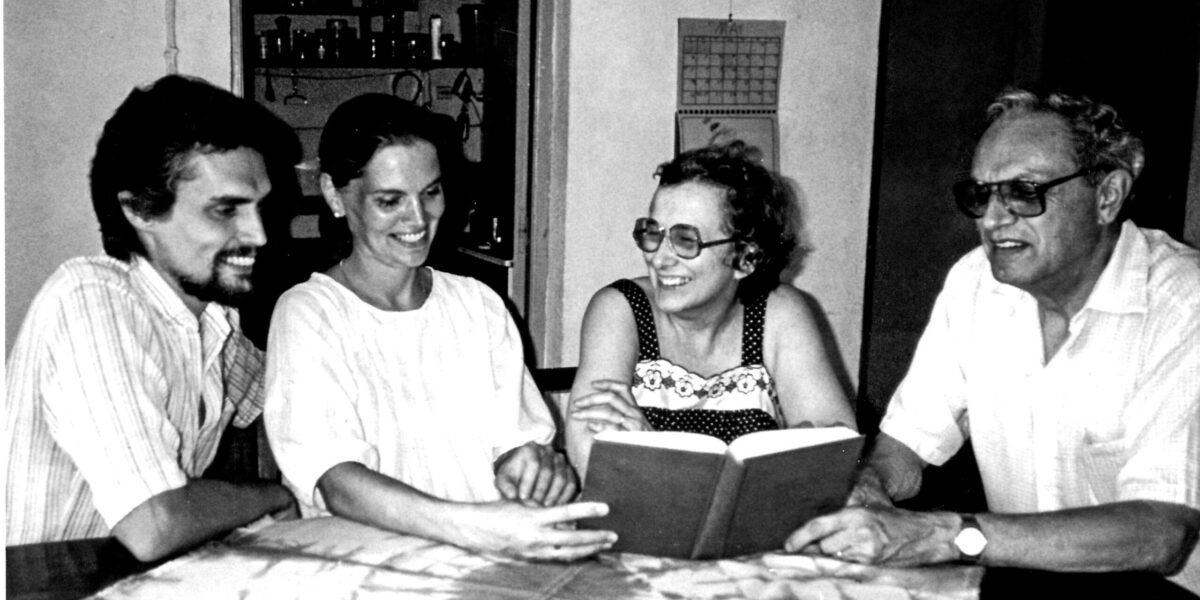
(116, 392)
(1113, 416)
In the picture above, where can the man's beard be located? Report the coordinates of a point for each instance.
(229, 290)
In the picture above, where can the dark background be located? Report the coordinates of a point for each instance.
(941, 62)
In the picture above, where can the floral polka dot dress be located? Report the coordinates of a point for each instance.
(729, 404)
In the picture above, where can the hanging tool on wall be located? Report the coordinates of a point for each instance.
(464, 89)
(294, 96)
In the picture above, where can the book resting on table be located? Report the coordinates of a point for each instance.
(689, 495)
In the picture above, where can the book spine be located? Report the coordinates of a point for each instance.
(710, 543)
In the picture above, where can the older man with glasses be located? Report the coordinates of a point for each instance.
(1066, 348)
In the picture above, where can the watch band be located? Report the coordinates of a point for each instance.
(969, 521)
(970, 540)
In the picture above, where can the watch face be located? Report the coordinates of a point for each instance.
(970, 541)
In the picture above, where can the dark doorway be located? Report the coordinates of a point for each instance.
(1143, 61)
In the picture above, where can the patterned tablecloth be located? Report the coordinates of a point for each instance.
(333, 558)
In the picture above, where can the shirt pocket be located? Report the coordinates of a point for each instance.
(1100, 465)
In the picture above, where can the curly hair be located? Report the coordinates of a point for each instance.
(758, 209)
(1101, 141)
(146, 147)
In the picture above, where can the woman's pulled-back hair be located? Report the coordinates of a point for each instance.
(361, 126)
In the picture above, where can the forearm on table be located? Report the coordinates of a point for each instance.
(1123, 536)
(204, 508)
(353, 491)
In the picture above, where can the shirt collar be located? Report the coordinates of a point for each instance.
(1121, 287)
(218, 318)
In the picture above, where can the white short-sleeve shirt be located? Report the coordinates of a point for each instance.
(1114, 415)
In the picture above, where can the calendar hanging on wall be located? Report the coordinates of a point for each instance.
(729, 73)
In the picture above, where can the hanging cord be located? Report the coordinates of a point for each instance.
(171, 54)
(730, 11)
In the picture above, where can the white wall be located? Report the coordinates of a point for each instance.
(67, 65)
(623, 63)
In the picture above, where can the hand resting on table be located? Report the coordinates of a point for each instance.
(535, 475)
(501, 527)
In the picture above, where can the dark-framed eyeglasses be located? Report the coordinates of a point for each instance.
(1020, 197)
(684, 239)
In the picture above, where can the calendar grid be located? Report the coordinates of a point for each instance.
(726, 70)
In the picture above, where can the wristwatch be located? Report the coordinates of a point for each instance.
(970, 540)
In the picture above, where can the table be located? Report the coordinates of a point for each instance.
(65, 570)
(334, 558)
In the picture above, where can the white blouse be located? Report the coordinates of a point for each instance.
(430, 397)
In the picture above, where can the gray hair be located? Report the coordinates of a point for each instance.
(1101, 141)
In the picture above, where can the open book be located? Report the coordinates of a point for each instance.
(689, 495)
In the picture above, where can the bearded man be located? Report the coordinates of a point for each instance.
(129, 366)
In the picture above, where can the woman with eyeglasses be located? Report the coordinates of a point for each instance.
(709, 341)
(396, 394)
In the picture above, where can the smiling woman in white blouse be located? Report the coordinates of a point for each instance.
(396, 394)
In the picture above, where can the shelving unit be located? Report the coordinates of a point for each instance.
(302, 58)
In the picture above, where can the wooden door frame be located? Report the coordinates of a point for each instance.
(1191, 228)
(548, 180)
(237, 82)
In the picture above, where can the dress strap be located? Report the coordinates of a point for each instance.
(753, 317)
(647, 334)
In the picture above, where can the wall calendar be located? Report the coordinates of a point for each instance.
(729, 73)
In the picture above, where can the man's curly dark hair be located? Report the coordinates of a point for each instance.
(146, 148)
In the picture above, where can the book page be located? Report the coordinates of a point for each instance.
(679, 440)
(762, 443)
